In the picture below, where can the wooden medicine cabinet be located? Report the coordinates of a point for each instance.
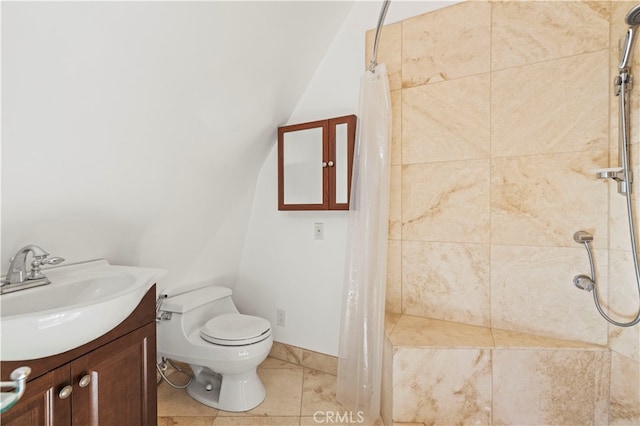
(314, 164)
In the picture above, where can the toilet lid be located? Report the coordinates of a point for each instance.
(235, 330)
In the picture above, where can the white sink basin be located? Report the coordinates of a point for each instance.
(83, 302)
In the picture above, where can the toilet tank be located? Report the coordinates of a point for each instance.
(194, 299)
(194, 308)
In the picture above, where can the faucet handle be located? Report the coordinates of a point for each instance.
(53, 261)
(39, 261)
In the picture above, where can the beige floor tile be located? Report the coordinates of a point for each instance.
(319, 393)
(320, 362)
(185, 421)
(321, 419)
(278, 363)
(257, 421)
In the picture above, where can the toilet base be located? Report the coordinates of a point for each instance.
(231, 392)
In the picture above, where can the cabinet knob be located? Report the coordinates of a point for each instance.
(324, 164)
(84, 381)
(331, 163)
(65, 392)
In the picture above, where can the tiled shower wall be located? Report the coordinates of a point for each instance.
(501, 112)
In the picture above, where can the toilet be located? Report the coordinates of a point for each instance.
(223, 347)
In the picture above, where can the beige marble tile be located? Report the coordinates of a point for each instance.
(602, 382)
(446, 201)
(544, 199)
(447, 281)
(319, 393)
(418, 332)
(622, 304)
(442, 387)
(390, 321)
(395, 203)
(393, 299)
(446, 121)
(396, 127)
(428, 53)
(386, 385)
(337, 419)
(321, 362)
(284, 390)
(177, 403)
(625, 391)
(286, 353)
(278, 363)
(532, 292)
(506, 339)
(525, 32)
(389, 52)
(554, 387)
(556, 106)
(185, 421)
(257, 421)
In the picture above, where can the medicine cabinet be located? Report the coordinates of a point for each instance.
(314, 164)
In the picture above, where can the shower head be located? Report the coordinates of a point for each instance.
(633, 16)
(633, 20)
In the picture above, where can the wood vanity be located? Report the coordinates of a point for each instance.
(109, 381)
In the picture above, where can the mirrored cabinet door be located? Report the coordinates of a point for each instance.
(314, 164)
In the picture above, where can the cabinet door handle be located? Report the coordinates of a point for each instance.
(331, 163)
(84, 381)
(65, 392)
(324, 164)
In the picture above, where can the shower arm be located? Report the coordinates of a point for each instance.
(374, 56)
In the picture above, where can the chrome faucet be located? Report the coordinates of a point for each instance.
(17, 277)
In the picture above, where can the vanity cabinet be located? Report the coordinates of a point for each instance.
(315, 160)
(108, 381)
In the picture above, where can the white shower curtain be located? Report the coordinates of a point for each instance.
(362, 330)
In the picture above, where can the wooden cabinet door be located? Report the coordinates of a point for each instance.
(119, 382)
(41, 403)
(315, 162)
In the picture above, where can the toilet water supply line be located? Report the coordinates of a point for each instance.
(622, 85)
(162, 365)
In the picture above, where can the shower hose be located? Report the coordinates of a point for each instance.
(624, 79)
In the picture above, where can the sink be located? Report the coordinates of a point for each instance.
(83, 302)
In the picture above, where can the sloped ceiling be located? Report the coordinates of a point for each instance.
(135, 130)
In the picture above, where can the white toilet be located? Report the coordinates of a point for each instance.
(223, 347)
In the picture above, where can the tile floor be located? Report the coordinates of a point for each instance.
(294, 394)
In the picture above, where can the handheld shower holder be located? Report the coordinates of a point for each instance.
(617, 174)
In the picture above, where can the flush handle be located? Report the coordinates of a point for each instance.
(84, 381)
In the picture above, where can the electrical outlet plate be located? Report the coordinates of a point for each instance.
(318, 231)
(281, 317)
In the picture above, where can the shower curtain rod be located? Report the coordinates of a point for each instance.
(374, 57)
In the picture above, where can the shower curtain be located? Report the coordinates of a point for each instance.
(362, 329)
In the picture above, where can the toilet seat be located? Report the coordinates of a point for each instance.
(235, 330)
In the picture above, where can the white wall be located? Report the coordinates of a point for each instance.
(135, 131)
(283, 266)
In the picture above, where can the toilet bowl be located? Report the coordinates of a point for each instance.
(223, 347)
